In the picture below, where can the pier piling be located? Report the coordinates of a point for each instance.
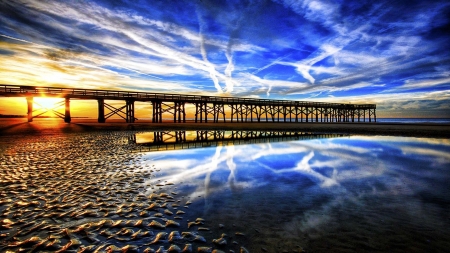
(101, 110)
(67, 117)
(30, 108)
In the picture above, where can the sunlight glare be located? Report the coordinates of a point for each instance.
(46, 103)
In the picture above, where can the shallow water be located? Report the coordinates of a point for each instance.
(351, 194)
(68, 192)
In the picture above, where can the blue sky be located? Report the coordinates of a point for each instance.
(393, 53)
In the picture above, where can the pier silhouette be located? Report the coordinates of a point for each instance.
(207, 108)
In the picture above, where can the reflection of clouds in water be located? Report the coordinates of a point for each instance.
(180, 166)
(393, 139)
(406, 184)
(435, 149)
(348, 162)
(310, 223)
(436, 155)
(304, 167)
(255, 152)
(335, 163)
(328, 161)
(364, 186)
(325, 145)
(211, 167)
(333, 156)
(231, 166)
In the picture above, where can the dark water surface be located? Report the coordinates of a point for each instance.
(90, 193)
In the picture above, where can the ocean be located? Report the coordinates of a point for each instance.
(415, 120)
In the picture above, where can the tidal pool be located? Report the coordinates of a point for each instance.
(348, 194)
(92, 192)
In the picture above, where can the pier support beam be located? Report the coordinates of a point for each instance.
(372, 114)
(177, 109)
(67, 117)
(218, 109)
(101, 110)
(30, 109)
(165, 137)
(157, 111)
(129, 111)
(307, 114)
(234, 112)
(179, 114)
(201, 109)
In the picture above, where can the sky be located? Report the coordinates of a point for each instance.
(392, 53)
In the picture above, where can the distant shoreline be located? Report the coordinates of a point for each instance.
(19, 126)
(10, 116)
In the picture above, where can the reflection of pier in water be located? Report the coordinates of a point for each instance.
(173, 140)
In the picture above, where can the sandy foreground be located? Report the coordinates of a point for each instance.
(90, 192)
(57, 126)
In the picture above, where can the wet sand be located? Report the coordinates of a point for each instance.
(86, 192)
(57, 126)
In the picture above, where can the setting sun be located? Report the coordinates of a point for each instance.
(52, 107)
(47, 103)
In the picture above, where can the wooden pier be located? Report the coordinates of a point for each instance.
(207, 108)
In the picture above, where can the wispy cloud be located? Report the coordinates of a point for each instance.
(282, 48)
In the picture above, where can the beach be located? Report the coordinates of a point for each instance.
(80, 187)
(57, 126)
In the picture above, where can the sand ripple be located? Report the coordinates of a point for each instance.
(87, 193)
